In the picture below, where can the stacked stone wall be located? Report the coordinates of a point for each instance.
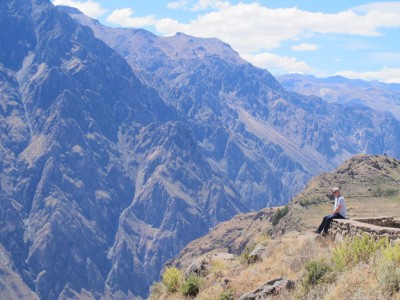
(378, 227)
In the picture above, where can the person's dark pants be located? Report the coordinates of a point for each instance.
(327, 220)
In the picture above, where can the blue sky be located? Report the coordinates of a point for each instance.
(355, 39)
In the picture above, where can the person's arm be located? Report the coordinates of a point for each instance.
(339, 205)
(336, 211)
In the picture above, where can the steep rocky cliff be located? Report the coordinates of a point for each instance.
(109, 166)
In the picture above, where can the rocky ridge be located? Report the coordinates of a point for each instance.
(110, 166)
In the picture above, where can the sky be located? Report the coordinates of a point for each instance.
(354, 39)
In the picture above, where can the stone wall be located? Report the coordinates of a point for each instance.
(376, 227)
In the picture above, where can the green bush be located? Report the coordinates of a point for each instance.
(278, 215)
(226, 295)
(316, 272)
(172, 278)
(311, 201)
(352, 252)
(191, 286)
(391, 252)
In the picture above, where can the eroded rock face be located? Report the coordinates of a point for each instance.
(109, 168)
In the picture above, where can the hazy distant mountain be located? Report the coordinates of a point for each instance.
(376, 95)
(112, 159)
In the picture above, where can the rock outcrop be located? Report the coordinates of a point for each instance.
(270, 289)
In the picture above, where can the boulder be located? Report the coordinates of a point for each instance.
(256, 254)
(198, 267)
(271, 288)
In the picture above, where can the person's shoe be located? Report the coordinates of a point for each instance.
(317, 231)
(324, 234)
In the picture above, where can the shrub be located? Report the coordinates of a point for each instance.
(218, 267)
(315, 273)
(389, 277)
(352, 252)
(245, 256)
(388, 192)
(311, 201)
(226, 295)
(391, 252)
(389, 268)
(191, 286)
(172, 278)
(262, 239)
(278, 215)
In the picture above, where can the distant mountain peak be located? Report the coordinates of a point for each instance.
(69, 9)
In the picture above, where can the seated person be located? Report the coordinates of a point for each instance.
(339, 212)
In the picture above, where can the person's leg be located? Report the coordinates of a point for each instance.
(328, 221)
(321, 226)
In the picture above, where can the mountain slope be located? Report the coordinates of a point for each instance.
(110, 166)
(280, 139)
(81, 142)
(376, 95)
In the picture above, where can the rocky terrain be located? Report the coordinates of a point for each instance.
(369, 183)
(240, 256)
(112, 159)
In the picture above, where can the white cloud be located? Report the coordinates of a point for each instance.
(388, 75)
(197, 5)
(178, 4)
(205, 4)
(124, 17)
(171, 26)
(305, 47)
(378, 6)
(254, 30)
(252, 27)
(89, 8)
(277, 64)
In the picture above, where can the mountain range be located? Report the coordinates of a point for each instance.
(119, 147)
(337, 89)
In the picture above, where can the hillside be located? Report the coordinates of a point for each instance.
(369, 183)
(119, 147)
(371, 186)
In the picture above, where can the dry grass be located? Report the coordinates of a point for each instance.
(287, 256)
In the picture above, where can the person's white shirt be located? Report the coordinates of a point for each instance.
(339, 201)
